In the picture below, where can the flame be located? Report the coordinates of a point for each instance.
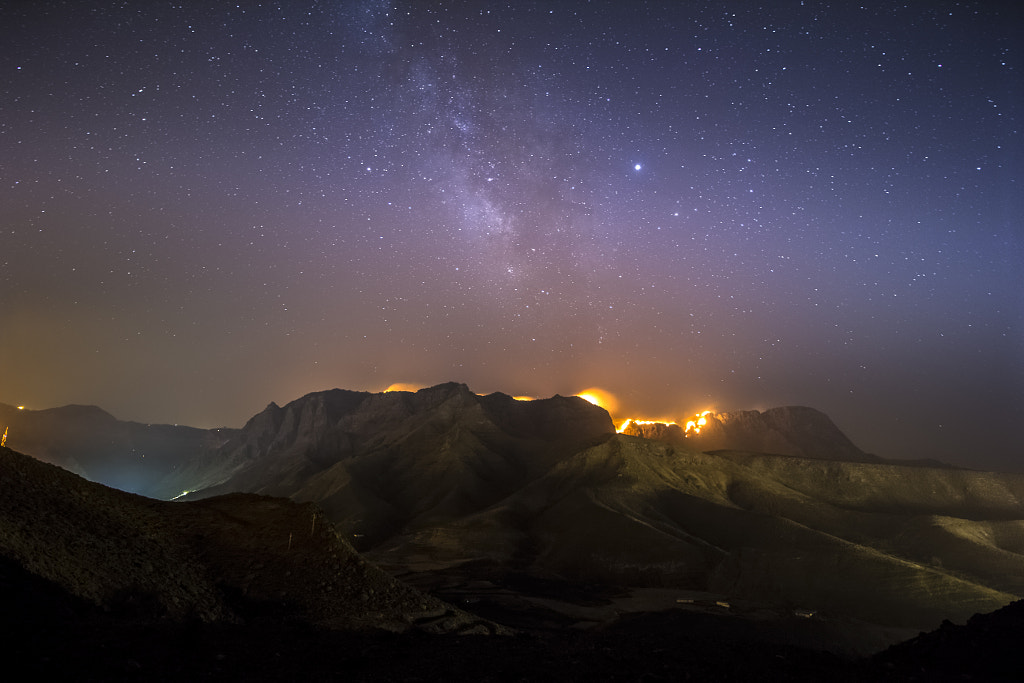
(698, 421)
(635, 421)
(403, 386)
(524, 398)
(692, 426)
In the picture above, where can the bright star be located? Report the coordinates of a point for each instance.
(637, 167)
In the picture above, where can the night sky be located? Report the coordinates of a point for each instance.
(727, 205)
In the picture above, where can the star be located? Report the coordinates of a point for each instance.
(353, 159)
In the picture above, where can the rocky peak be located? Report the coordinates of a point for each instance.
(265, 420)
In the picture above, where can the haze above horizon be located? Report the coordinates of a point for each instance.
(206, 209)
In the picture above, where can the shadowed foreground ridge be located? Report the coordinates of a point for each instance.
(98, 584)
(226, 559)
(986, 648)
(172, 591)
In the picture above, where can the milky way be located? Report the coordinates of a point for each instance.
(691, 206)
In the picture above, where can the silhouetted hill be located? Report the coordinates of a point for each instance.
(92, 443)
(986, 648)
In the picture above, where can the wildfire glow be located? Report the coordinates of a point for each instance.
(634, 421)
(403, 386)
(524, 398)
(692, 426)
(698, 421)
(600, 397)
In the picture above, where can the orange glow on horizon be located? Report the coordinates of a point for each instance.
(603, 399)
(600, 397)
(637, 421)
(691, 427)
(403, 386)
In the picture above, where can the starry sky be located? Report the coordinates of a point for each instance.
(206, 207)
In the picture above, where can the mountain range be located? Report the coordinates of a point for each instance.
(91, 442)
(541, 505)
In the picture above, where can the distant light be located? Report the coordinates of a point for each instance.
(637, 167)
(21, 407)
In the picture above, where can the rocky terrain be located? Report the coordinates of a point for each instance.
(225, 559)
(771, 531)
(100, 585)
(463, 492)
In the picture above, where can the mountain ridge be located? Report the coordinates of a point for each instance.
(326, 444)
(91, 442)
(444, 482)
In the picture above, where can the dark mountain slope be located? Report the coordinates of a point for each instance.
(986, 648)
(122, 619)
(765, 528)
(378, 462)
(226, 559)
(92, 443)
